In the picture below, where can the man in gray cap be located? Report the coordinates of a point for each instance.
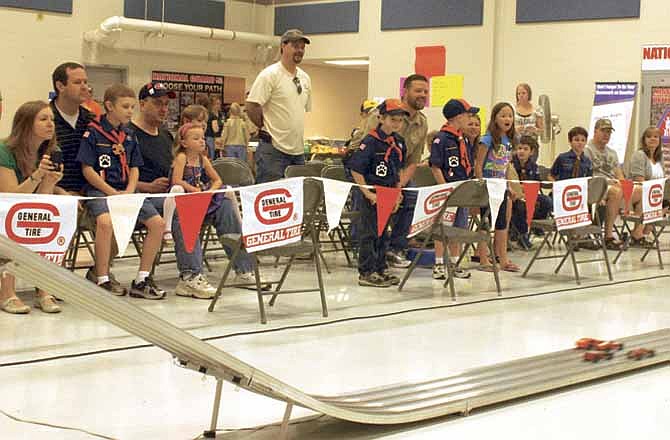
(606, 164)
(277, 102)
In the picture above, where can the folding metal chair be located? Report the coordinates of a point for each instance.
(347, 218)
(309, 243)
(470, 194)
(597, 191)
(304, 170)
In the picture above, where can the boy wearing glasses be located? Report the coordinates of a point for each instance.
(277, 102)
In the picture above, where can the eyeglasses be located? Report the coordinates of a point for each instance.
(298, 86)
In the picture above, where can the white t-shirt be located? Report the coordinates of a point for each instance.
(657, 171)
(283, 107)
(70, 119)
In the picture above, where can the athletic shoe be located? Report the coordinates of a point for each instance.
(249, 278)
(196, 286)
(438, 272)
(397, 259)
(524, 242)
(393, 279)
(147, 289)
(114, 287)
(373, 280)
(461, 273)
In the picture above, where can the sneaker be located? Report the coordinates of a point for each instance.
(373, 280)
(524, 242)
(249, 278)
(393, 279)
(397, 259)
(196, 286)
(461, 273)
(147, 289)
(438, 272)
(115, 288)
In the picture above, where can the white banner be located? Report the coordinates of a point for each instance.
(43, 224)
(124, 209)
(272, 214)
(656, 57)
(496, 189)
(429, 201)
(337, 194)
(571, 208)
(652, 200)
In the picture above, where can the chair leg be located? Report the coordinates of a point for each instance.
(657, 243)
(607, 261)
(496, 273)
(319, 277)
(545, 240)
(340, 235)
(259, 294)
(414, 263)
(574, 260)
(229, 268)
(450, 274)
(281, 280)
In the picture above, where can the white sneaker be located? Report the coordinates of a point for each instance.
(195, 287)
(245, 277)
(438, 272)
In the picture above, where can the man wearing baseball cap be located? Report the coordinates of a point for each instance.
(606, 164)
(277, 102)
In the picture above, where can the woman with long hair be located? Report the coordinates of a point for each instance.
(26, 168)
(528, 119)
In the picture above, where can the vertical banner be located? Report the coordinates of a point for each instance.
(571, 208)
(387, 201)
(429, 201)
(272, 214)
(614, 101)
(192, 209)
(124, 210)
(530, 192)
(496, 189)
(659, 115)
(338, 193)
(43, 224)
(652, 200)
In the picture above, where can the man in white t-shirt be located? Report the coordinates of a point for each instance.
(277, 103)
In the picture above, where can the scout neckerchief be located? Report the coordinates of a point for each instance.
(390, 141)
(117, 138)
(462, 148)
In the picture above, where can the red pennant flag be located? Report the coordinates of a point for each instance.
(530, 192)
(191, 209)
(627, 188)
(386, 201)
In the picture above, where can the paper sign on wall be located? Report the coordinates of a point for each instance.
(614, 101)
(272, 214)
(571, 208)
(652, 200)
(443, 88)
(430, 61)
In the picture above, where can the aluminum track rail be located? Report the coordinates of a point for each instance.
(399, 403)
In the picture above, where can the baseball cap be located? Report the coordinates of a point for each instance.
(604, 124)
(294, 35)
(368, 105)
(455, 107)
(155, 90)
(392, 107)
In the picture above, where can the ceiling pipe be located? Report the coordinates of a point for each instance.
(108, 31)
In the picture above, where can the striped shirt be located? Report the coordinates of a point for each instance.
(68, 140)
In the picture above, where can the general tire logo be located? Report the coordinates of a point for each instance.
(572, 197)
(434, 202)
(32, 223)
(273, 206)
(655, 195)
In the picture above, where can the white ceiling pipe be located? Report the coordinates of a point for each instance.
(111, 25)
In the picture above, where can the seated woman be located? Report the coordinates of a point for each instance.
(646, 164)
(25, 167)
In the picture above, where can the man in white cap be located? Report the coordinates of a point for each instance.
(277, 102)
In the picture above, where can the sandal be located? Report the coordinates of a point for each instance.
(47, 303)
(510, 267)
(485, 268)
(14, 306)
(641, 242)
(612, 244)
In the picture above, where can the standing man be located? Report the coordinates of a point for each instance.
(277, 103)
(606, 164)
(414, 131)
(70, 83)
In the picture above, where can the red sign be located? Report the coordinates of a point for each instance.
(572, 198)
(435, 201)
(273, 206)
(32, 223)
(655, 195)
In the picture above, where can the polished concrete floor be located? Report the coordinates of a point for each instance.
(75, 370)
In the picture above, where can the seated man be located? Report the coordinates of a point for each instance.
(606, 164)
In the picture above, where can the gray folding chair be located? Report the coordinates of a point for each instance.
(302, 171)
(308, 244)
(423, 176)
(470, 194)
(597, 191)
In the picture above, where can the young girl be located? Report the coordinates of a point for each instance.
(194, 113)
(494, 155)
(193, 171)
(235, 134)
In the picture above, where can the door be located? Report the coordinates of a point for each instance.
(655, 109)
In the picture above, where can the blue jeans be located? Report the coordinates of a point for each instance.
(237, 151)
(271, 163)
(210, 148)
(543, 207)
(402, 220)
(372, 251)
(225, 222)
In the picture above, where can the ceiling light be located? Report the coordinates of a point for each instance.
(348, 62)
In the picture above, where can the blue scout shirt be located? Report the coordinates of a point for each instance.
(450, 153)
(379, 158)
(111, 152)
(530, 171)
(565, 162)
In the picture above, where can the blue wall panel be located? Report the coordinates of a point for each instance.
(404, 14)
(207, 13)
(64, 6)
(529, 11)
(321, 18)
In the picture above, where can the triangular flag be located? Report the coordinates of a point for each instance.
(191, 209)
(337, 193)
(627, 189)
(386, 201)
(496, 189)
(169, 205)
(124, 209)
(530, 192)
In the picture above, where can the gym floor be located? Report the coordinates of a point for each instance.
(75, 370)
